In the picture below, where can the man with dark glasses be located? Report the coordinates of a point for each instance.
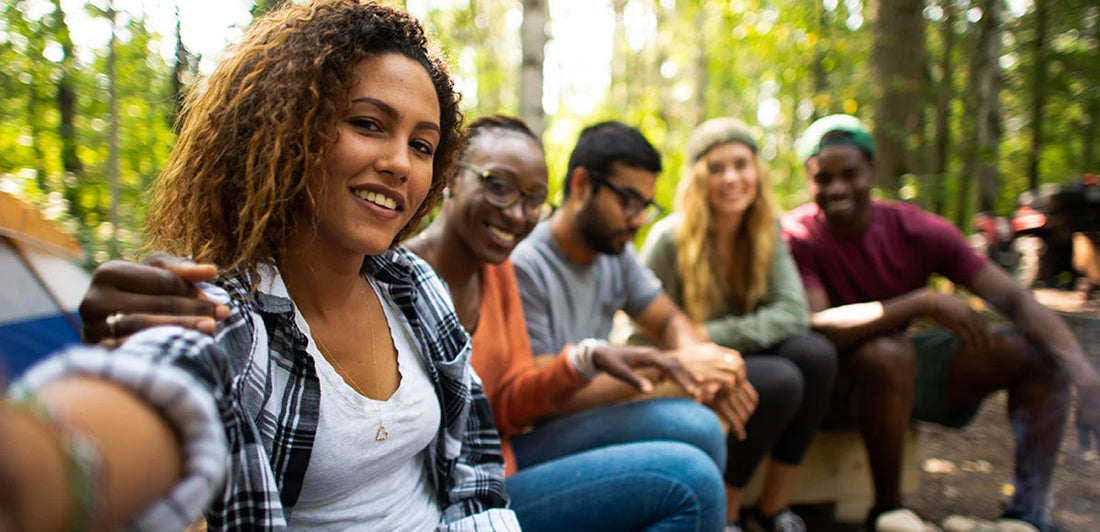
(578, 268)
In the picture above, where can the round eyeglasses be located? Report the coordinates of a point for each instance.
(502, 193)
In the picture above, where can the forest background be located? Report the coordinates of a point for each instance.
(972, 101)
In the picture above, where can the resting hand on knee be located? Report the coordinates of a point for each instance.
(955, 314)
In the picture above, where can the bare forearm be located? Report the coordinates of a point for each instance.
(601, 391)
(140, 457)
(1045, 328)
(679, 332)
(848, 325)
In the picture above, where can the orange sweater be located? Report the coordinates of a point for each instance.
(518, 392)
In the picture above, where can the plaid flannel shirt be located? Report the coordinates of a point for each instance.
(267, 394)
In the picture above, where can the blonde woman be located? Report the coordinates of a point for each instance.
(721, 258)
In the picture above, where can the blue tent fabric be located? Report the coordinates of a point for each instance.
(42, 284)
(26, 342)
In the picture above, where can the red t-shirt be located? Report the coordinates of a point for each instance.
(901, 249)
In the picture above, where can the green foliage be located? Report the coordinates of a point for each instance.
(30, 143)
(776, 64)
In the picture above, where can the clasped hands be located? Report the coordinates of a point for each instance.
(720, 373)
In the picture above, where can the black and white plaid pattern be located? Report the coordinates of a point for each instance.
(267, 393)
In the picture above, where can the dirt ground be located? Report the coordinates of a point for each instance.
(968, 472)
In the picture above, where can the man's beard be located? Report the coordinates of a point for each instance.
(595, 232)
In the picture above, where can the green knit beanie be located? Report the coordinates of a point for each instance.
(813, 140)
(718, 131)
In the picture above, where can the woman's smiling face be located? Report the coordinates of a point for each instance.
(491, 232)
(732, 180)
(379, 168)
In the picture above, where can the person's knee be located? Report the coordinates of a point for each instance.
(696, 424)
(885, 361)
(779, 384)
(1018, 359)
(814, 355)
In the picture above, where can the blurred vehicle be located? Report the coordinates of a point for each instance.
(995, 238)
(1044, 224)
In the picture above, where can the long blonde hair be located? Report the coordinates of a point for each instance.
(251, 150)
(742, 282)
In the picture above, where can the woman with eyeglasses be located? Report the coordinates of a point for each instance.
(495, 198)
(722, 259)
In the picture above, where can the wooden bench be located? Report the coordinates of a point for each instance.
(836, 471)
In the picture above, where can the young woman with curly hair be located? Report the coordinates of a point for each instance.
(721, 258)
(337, 389)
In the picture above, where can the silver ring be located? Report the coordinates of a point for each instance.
(112, 322)
(729, 358)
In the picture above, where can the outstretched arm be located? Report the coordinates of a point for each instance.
(139, 458)
(149, 412)
(1043, 327)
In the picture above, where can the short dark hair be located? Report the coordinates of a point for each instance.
(603, 144)
(496, 122)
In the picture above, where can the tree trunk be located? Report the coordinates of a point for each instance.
(1089, 160)
(533, 40)
(181, 69)
(701, 71)
(620, 51)
(1038, 92)
(944, 94)
(898, 61)
(821, 76)
(71, 164)
(112, 118)
(987, 136)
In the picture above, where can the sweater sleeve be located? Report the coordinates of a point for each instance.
(782, 313)
(519, 392)
(180, 373)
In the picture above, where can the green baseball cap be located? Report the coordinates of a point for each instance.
(813, 139)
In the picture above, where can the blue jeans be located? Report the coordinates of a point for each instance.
(650, 485)
(672, 419)
(622, 467)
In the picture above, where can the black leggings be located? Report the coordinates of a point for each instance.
(795, 384)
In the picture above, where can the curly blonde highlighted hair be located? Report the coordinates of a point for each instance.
(254, 135)
(742, 282)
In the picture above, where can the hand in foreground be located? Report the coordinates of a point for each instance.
(736, 405)
(710, 363)
(127, 297)
(620, 362)
(1087, 417)
(954, 313)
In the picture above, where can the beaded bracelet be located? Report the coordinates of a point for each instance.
(80, 453)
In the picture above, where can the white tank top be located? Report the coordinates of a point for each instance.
(354, 481)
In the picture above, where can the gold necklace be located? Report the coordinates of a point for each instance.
(381, 434)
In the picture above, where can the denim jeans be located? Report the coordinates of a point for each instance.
(653, 465)
(672, 419)
(652, 485)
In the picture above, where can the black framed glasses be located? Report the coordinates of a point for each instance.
(630, 200)
(502, 193)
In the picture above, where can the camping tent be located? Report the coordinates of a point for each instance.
(41, 288)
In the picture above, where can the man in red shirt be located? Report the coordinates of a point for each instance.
(866, 265)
